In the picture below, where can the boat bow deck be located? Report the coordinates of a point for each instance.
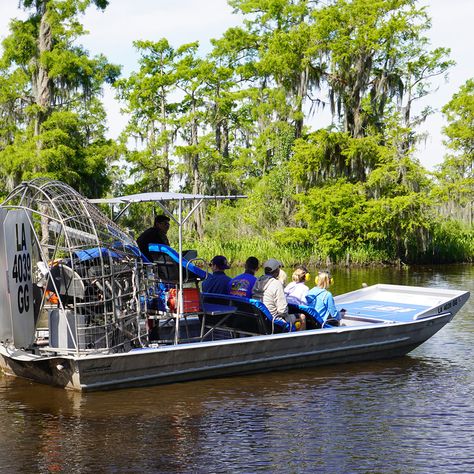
(384, 311)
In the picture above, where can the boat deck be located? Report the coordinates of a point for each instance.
(383, 310)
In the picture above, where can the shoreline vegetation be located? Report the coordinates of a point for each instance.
(237, 251)
(246, 118)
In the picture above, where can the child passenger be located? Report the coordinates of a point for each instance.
(296, 291)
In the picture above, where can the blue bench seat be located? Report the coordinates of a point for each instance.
(250, 316)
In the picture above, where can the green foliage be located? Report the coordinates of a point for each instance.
(375, 58)
(452, 242)
(52, 122)
(397, 178)
(271, 202)
(153, 122)
(333, 215)
(379, 206)
(237, 122)
(456, 174)
(238, 126)
(237, 251)
(325, 155)
(294, 237)
(459, 112)
(399, 224)
(65, 154)
(366, 254)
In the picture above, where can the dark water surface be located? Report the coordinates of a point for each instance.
(413, 414)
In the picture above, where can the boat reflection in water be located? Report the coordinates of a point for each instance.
(111, 324)
(361, 417)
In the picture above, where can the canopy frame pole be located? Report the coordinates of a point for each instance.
(179, 306)
(180, 221)
(119, 213)
(168, 212)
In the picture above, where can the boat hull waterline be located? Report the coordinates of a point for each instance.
(185, 362)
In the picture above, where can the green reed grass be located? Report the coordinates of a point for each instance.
(450, 242)
(237, 251)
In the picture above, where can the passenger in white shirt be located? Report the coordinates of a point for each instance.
(296, 291)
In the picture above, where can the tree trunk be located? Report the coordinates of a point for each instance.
(199, 215)
(42, 90)
(225, 139)
(42, 84)
(301, 92)
(166, 146)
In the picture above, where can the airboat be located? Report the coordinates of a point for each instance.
(82, 308)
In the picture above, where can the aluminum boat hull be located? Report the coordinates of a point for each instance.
(184, 362)
(382, 321)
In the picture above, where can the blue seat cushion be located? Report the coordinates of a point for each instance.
(252, 308)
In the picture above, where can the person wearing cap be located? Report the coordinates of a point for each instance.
(269, 290)
(217, 281)
(321, 299)
(154, 235)
(242, 284)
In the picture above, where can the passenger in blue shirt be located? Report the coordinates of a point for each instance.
(242, 284)
(321, 299)
(217, 281)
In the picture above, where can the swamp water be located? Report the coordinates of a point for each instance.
(413, 414)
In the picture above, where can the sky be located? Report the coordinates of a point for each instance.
(113, 31)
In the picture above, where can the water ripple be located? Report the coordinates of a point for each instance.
(408, 415)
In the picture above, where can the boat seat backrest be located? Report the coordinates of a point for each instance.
(250, 314)
(166, 263)
(313, 318)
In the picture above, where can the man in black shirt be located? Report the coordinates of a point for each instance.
(154, 235)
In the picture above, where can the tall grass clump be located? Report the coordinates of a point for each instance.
(452, 242)
(365, 255)
(237, 251)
